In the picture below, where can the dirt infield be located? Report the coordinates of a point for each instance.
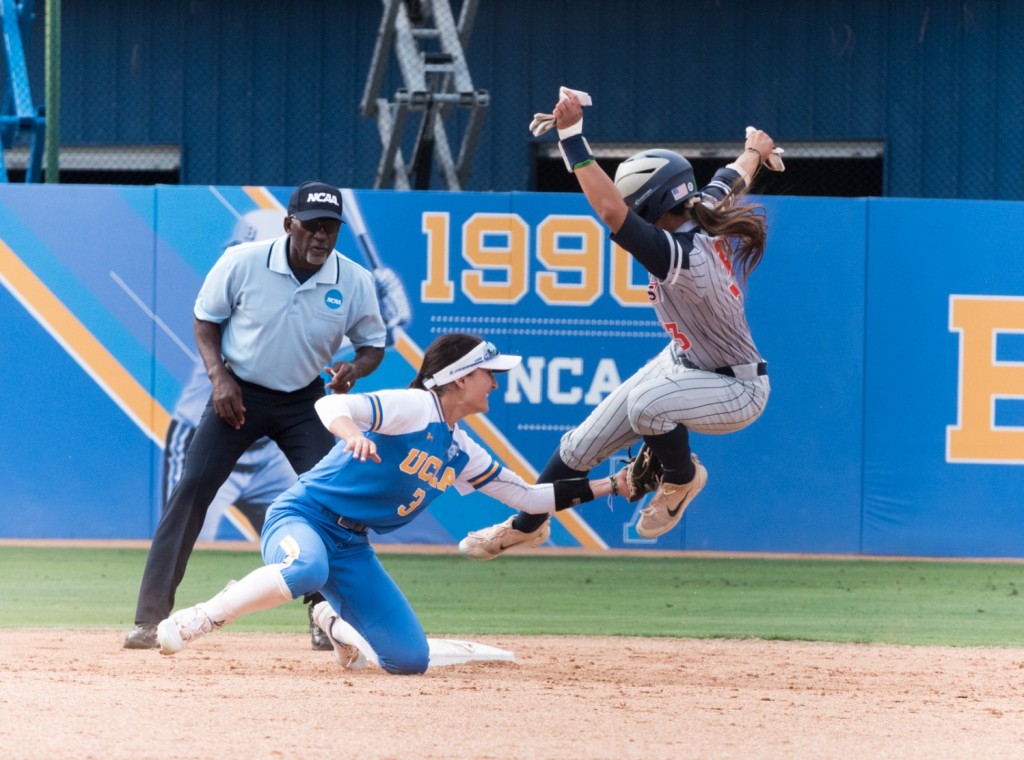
(235, 694)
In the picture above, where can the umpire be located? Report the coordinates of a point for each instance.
(268, 319)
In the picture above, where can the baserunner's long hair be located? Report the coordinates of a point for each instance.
(741, 223)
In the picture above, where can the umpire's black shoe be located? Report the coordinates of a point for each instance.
(317, 637)
(143, 636)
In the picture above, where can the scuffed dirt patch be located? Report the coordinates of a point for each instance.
(77, 693)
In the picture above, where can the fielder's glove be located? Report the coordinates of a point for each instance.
(643, 474)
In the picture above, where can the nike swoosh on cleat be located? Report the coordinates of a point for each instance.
(674, 512)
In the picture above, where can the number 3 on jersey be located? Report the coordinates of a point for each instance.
(418, 498)
(677, 335)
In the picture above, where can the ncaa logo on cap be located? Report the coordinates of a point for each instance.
(315, 200)
(322, 197)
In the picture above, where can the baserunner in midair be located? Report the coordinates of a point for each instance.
(698, 247)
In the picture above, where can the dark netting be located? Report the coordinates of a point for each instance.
(868, 98)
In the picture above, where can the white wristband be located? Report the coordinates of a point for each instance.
(739, 170)
(575, 129)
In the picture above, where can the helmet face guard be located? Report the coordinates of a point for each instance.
(655, 181)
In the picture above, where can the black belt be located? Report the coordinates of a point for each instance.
(315, 386)
(746, 371)
(246, 469)
(352, 525)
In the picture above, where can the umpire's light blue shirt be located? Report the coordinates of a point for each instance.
(277, 332)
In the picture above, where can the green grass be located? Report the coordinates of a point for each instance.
(903, 602)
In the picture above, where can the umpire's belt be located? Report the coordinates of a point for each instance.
(744, 371)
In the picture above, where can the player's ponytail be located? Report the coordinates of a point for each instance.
(742, 225)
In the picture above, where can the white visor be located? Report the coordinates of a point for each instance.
(483, 355)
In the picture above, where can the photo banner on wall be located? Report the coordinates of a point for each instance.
(535, 273)
(549, 286)
(892, 427)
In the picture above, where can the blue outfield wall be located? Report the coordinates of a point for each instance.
(944, 387)
(893, 331)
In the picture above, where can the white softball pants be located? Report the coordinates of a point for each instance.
(656, 398)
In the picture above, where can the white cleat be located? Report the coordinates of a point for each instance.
(173, 633)
(347, 655)
(490, 542)
(184, 626)
(168, 638)
(669, 502)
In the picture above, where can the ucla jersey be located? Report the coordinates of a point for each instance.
(421, 457)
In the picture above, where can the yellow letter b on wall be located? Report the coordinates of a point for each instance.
(984, 380)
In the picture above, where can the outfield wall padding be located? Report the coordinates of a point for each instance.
(893, 329)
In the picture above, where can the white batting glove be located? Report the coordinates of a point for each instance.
(584, 98)
(543, 122)
(774, 161)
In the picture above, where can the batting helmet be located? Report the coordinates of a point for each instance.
(654, 181)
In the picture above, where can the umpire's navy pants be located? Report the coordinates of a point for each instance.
(287, 418)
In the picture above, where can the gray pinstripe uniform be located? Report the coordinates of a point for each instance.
(710, 377)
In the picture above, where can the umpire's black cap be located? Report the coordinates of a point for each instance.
(315, 200)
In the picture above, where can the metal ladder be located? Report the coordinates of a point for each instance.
(18, 117)
(429, 47)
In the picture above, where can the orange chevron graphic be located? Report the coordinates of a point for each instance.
(83, 346)
(262, 197)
